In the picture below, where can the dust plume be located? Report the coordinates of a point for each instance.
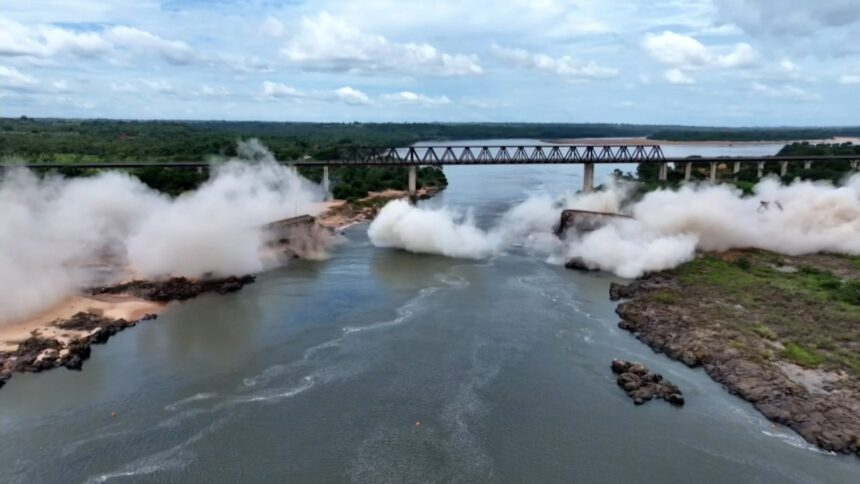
(60, 235)
(667, 228)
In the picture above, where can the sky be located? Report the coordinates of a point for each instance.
(697, 62)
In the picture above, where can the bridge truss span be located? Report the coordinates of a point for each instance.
(501, 155)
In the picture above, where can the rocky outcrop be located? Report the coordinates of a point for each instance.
(175, 288)
(641, 385)
(578, 264)
(38, 353)
(829, 419)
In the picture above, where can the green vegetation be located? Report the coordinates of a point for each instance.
(802, 356)
(808, 304)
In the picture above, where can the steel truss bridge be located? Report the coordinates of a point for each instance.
(439, 155)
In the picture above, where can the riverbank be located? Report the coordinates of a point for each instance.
(340, 214)
(63, 335)
(782, 332)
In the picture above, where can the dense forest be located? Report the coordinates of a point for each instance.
(74, 141)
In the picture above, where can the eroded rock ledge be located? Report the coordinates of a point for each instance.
(826, 415)
(38, 353)
(641, 385)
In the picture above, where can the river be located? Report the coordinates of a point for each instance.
(378, 365)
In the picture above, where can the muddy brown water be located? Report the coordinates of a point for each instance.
(384, 366)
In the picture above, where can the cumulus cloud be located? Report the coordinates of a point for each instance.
(408, 97)
(327, 43)
(277, 90)
(677, 76)
(12, 78)
(349, 95)
(346, 94)
(50, 40)
(686, 52)
(791, 93)
(564, 66)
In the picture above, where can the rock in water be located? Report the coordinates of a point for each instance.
(578, 264)
(641, 385)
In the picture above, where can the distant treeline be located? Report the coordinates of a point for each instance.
(751, 134)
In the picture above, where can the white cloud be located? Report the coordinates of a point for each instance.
(790, 93)
(12, 78)
(173, 51)
(207, 90)
(408, 97)
(349, 95)
(685, 51)
(125, 87)
(326, 43)
(277, 90)
(849, 78)
(49, 41)
(677, 76)
(160, 86)
(61, 86)
(564, 66)
(273, 27)
(346, 94)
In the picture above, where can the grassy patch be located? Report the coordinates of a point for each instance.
(665, 297)
(801, 355)
(764, 332)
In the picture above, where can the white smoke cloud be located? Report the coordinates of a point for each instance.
(54, 231)
(430, 231)
(666, 229)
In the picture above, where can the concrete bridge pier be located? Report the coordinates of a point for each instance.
(663, 171)
(413, 181)
(688, 171)
(326, 183)
(807, 165)
(760, 169)
(587, 177)
(736, 168)
(713, 172)
(294, 170)
(854, 165)
(783, 168)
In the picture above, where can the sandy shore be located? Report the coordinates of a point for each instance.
(641, 140)
(110, 306)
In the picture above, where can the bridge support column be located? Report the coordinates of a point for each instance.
(760, 169)
(688, 171)
(807, 165)
(294, 170)
(413, 180)
(326, 184)
(783, 168)
(854, 165)
(713, 172)
(663, 171)
(736, 168)
(587, 177)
